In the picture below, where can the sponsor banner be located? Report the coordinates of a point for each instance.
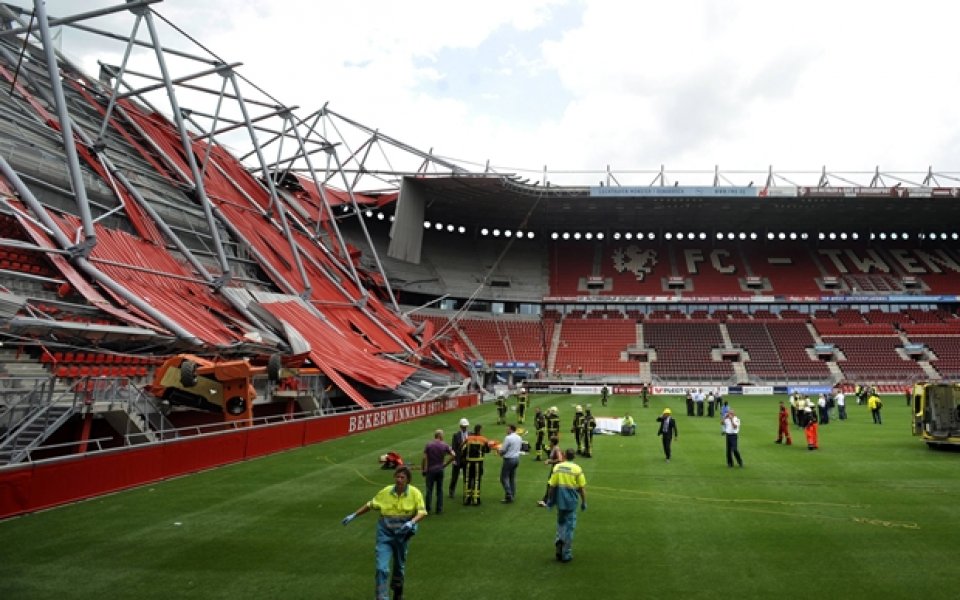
(779, 192)
(515, 365)
(633, 390)
(649, 191)
(809, 389)
(397, 414)
(757, 390)
(549, 389)
(682, 390)
(586, 389)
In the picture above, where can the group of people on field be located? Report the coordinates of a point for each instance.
(697, 401)
(402, 505)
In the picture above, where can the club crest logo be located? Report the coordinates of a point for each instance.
(633, 259)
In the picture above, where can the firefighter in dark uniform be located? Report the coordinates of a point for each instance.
(522, 399)
(540, 424)
(474, 450)
(577, 428)
(604, 392)
(501, 409)
(644, 395)
(589, 424)
(553, 423)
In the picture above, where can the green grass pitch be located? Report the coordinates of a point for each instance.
(872, 514)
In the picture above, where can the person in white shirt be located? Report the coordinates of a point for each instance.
(510, 451)
(841, 401)
(731, 431)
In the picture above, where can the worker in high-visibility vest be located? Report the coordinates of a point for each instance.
(475, 448)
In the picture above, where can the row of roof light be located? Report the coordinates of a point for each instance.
(679, 235)
(793, 235)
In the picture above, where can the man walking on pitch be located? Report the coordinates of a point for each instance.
(436, 456)
(667, 430)
(567, 483)
(783, 430)
(510, 451)
(401, 508)
(460, 463)
(731, 430)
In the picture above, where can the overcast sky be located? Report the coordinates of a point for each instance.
(580, 85)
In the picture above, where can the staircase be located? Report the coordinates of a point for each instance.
(33, 431)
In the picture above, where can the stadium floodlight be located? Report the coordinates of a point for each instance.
(392, 217)
(770, 235)
(855, 236)
(781, 236)
(954, 235)
(731, 236)
(843, 235)
(883, 235)
(529, 235)
(507, 233)
(438, 226)
(461, 229)
(629, 235)
(793, 235)
(703, 235)
(651, 236)
(554, 235)
(496, 233)
(905, 236)
(804, 235)
(667, 235)
(821, 236)
(368, 214)
(743, 235)
(894, 236)
(679, 235)
(616, 235)
(600, 236)
(576, 235)
(588, 235)
(381, 216)
(753, 235)
(832, 236)
(565, 235)
(719, 235)
(451, 228)
(484, 231)
(427, 224)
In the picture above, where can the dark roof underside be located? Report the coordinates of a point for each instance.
(500, 202)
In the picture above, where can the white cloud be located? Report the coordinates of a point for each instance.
(743, 84)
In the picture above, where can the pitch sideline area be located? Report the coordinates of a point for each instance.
(859, 518)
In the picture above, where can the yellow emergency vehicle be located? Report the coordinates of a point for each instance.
(936, 413)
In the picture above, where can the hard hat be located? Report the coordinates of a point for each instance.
(667, 411)
(579, 408)
(553, 409)
(464, 423)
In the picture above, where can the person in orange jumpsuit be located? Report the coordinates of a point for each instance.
(812, 430)
(783, 431)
